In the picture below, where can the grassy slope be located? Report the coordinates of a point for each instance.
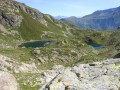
(32, 29)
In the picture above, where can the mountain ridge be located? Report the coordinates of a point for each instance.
(102, 20)
(59, 44)
(60, 17)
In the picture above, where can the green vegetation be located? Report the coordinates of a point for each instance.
(70, 45)
(23, 55)
(28, 80)
(30, 28)
(35, 29)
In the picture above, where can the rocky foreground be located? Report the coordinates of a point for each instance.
(103, 75)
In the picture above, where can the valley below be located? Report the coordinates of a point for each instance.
(38, 52)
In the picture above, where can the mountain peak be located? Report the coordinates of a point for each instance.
(101, 20)
(60, 17)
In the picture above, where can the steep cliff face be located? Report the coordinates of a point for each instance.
(10, 13)
(7, 14)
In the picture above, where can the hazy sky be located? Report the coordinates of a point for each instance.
(70, 7)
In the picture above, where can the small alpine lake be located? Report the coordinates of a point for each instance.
(35, 44)
(95, 45)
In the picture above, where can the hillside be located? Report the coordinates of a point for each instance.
(32, 42)
(101, 20)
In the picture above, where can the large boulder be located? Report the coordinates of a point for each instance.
(88, 71)
(8, 81)
(63, 80)
(25, 68)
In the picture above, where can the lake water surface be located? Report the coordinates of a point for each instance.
(35, 44)
(95, 46)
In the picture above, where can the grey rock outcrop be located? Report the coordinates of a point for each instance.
(8, 64)
(7, 13)
(57, 55)
(10, 13)
(10, 19)
(25, 68)
(8, 81)
(33, 12)
(103, 75)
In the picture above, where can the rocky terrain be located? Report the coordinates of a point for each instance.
(68, 63)
(103, 75)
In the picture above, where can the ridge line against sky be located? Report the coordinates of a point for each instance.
(70, 7)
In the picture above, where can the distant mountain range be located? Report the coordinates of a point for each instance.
(60, 17)
(101, 20)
